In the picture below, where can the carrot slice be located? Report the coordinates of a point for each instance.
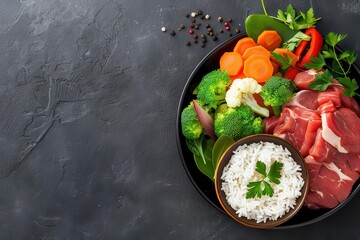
(257, 50)
(232, 63)
(269, 39)
(284, 51)
(244, 44)
(258, 67)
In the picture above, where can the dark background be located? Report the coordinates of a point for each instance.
(88, 97)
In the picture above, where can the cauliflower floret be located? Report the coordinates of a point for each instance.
(241, 92)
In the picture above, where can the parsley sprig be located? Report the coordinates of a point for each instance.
(263, 187)
(338, 63)
(297, 22)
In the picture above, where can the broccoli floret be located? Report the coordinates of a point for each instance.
(236, 122)
(212, 88)
(276, 92)
(190, 125)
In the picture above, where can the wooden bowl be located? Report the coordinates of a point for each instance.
(225, 160)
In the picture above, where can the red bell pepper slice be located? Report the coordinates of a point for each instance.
(316, 43)
(291, 73)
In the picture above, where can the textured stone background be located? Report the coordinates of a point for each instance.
(88, 98)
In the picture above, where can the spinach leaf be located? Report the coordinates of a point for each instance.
(221, 144)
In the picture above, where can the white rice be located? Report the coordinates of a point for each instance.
(241, 170)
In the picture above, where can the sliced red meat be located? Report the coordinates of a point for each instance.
(341, 129)
(331, 94)
(351, 103)
(353, 160)
(299, 127)
(303, 79)
(270, 124)
(305, 99)
(331, 185)
(327, 107)
(321, 150)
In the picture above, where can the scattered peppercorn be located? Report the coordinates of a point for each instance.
(211, 33)
(207, 25)
(193, 21)
(203, 40)
(202, 45)
(214, 38)
(220, 19)
(191, 31)
(195, 40)
(193, 14)
(230, 34)
(195, 36)
(187, 15)
(199, 12)
(196, 26)
(237, 30)
(229, 20)
(202, 16)
(226, 24)
(203, 36)
(163, 29)
(188, 43)
(207, 16)
(227, 28)
(210, 29)
(172, 33)
(221, 30)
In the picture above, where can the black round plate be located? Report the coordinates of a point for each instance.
(202, 183)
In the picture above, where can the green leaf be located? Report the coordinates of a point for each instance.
(221, 144)
(275, 172)
(196, 147)
(351, 58)
(268, 190)
(204, 164)
(350, 85)
(254, 189)
(261, 168)
(322, 82)
(285, 60)
(316, 63)
(293, 42)
(333, 39)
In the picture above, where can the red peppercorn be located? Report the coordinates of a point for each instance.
(191, 31)
(195, 36)
(227, 28)
(226, 24)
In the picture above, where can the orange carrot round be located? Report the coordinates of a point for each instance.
(232, 63)
(258, 67)
(257, 50)
(243, 44)
(269, 39)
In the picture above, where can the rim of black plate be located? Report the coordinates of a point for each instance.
(178, 139)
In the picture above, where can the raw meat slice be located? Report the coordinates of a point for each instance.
(299, 127)
(321, 150)
(351, 103)
(270, 124)
(331, 94)
(303, 79)
(341, 129)
(305, 99)
(329, 185)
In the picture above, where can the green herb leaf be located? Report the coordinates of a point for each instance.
(333, 39)
(297, 22)
(293, 42)
(285, 60)
(267, 189)
(254, 189)
(221, 144)
(275, 172)
(316, 63)
(322, 82)
(261, 168)
(350, 85)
